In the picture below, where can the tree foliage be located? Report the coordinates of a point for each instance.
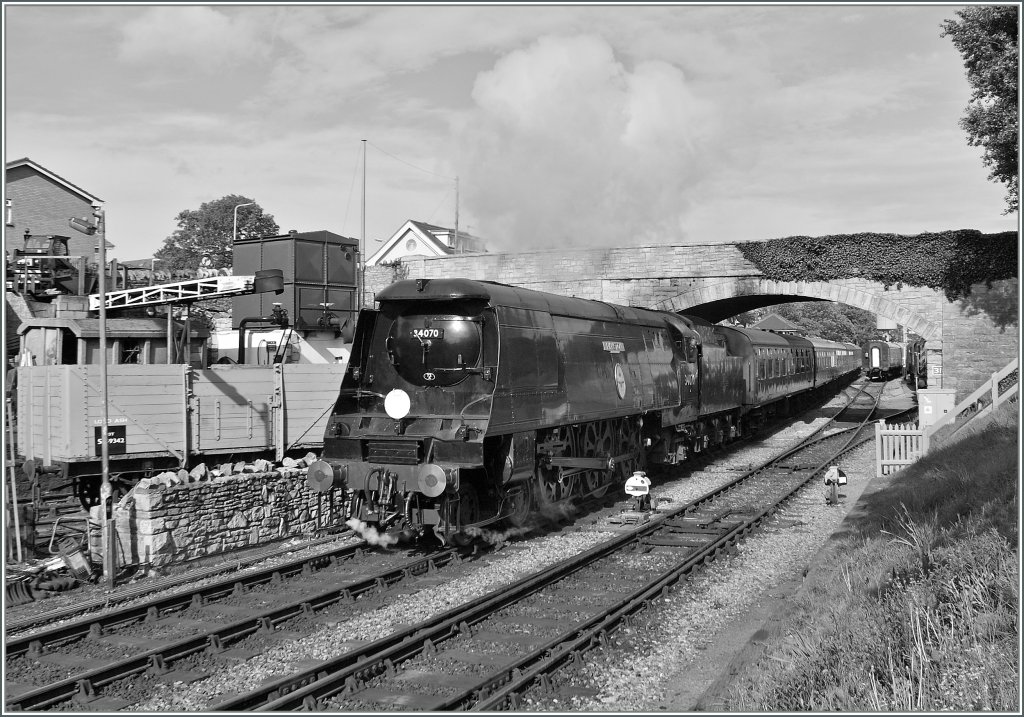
(207, 230)
(986, 37)
(824, 319)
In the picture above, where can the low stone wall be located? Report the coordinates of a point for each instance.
(173, 518)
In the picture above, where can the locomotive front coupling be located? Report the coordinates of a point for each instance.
(391, 496)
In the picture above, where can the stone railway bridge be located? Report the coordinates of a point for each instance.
(966, 340)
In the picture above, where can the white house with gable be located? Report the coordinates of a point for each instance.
(421, 239)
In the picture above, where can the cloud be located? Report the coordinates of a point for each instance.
(205, 37)
(568, 145)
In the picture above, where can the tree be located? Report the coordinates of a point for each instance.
(207, 230)
(986, 37)
(825, 319)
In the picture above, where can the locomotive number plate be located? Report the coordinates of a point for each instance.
(427, 333)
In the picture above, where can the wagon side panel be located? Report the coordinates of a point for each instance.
(308, 395)
(144, 409)
(231, 409)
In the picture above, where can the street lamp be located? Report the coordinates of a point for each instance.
(234, 224)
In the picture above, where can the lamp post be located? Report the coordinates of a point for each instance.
(234, 224)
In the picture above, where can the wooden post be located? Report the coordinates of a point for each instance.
(878, 448)
(14, 483)
(110, 551)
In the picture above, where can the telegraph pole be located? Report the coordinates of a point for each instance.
(99, 228)
(363, 234)
(109, 539)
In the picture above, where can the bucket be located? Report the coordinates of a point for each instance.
(72, 556)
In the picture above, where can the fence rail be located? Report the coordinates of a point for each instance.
(898, 446)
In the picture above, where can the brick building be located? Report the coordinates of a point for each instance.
(40, 202)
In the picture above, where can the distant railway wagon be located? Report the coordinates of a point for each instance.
(168, 416)
(882, 360)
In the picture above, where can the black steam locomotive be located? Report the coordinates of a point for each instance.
(469, 402)
(917, 364)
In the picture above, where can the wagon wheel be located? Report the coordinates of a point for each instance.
(87, 488)
(599, 441)
(549, 487)
(628, 440)
(469, 505)
(574, 484)
(468, 512)
(520, 498)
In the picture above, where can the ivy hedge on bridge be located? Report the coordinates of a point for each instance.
(950, 261)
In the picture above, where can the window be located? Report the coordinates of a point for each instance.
(130, 351)
(10, 213)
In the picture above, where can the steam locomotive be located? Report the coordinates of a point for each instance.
(469, 402)
(917, 364)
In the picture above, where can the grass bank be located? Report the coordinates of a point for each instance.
(915, 605)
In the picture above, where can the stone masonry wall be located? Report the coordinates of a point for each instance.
(981, 335)
(170, 521)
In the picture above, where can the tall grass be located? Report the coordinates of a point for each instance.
(918, 608)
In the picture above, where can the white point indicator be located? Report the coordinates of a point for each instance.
(397, 404)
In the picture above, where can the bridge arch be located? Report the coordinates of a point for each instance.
(718, 300)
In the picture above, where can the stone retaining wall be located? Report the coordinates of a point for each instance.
(165, 521)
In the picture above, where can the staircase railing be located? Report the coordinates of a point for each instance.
(1000, 388)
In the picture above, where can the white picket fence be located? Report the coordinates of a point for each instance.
(898, 446)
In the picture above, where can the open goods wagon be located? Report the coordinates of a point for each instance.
(169, 416)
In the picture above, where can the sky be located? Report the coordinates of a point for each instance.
(586, 125)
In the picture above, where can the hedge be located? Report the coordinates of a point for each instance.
(950, 261)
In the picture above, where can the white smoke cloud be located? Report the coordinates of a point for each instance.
(569, 146)
(370, 534)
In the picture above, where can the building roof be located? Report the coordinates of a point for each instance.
(774, 322)
(26, 162)
(429, 236)
(116, 328)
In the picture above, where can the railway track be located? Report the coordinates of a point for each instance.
(151, 631)
(14, 626)
(711, 520)
(484, 654)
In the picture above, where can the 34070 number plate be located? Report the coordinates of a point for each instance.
(427, 333)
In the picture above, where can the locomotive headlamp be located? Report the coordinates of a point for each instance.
(397, 404)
